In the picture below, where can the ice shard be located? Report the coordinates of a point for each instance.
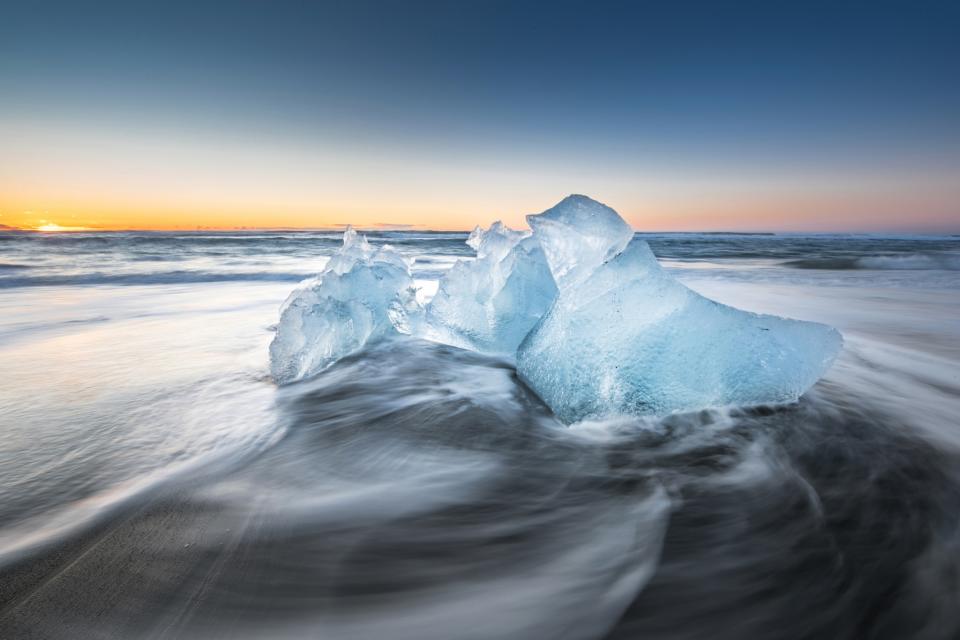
(624, 337)
(491, 303)
(363, 294)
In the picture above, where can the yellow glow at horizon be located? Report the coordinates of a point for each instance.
(59, 177)
(52, 226)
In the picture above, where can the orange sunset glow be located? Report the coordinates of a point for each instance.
(138, 141)
(817, 212)
(61, 192)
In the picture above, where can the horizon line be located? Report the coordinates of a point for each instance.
(340, 228)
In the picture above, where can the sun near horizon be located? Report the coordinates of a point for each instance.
(885, 211)
(328, 115)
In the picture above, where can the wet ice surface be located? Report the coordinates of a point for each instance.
(362, 295)
(596, 326)
(490, 304)
(154, 483)
(624, 337)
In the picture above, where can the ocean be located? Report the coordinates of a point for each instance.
(156, 483)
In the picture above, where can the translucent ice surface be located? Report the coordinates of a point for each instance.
(625, 337)
(577, 236)
(491, 303)
(597, 327)
(363, 294)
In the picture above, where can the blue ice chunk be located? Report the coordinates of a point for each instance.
(577, 236)
(624, 337)
(363, 294)
(491, 303)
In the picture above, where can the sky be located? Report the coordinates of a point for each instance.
(687, 116)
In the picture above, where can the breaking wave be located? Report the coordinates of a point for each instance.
(417, 490)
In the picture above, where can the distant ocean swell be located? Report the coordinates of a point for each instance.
(906, 262)
(164, 277)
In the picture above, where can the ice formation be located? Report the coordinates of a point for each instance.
(363, 294)
(597, 327)
(625, 337)
(491, 303)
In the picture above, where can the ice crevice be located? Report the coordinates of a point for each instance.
(595, 325)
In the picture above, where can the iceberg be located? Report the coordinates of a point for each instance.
(596, 326)
(490, 304)
(624, 337)
(362, 295)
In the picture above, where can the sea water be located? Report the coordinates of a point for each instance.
(155, 482)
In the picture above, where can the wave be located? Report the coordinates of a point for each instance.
(415, 490)
(162, 277)
(905, 262)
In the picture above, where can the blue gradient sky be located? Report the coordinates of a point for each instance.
(689, 116)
